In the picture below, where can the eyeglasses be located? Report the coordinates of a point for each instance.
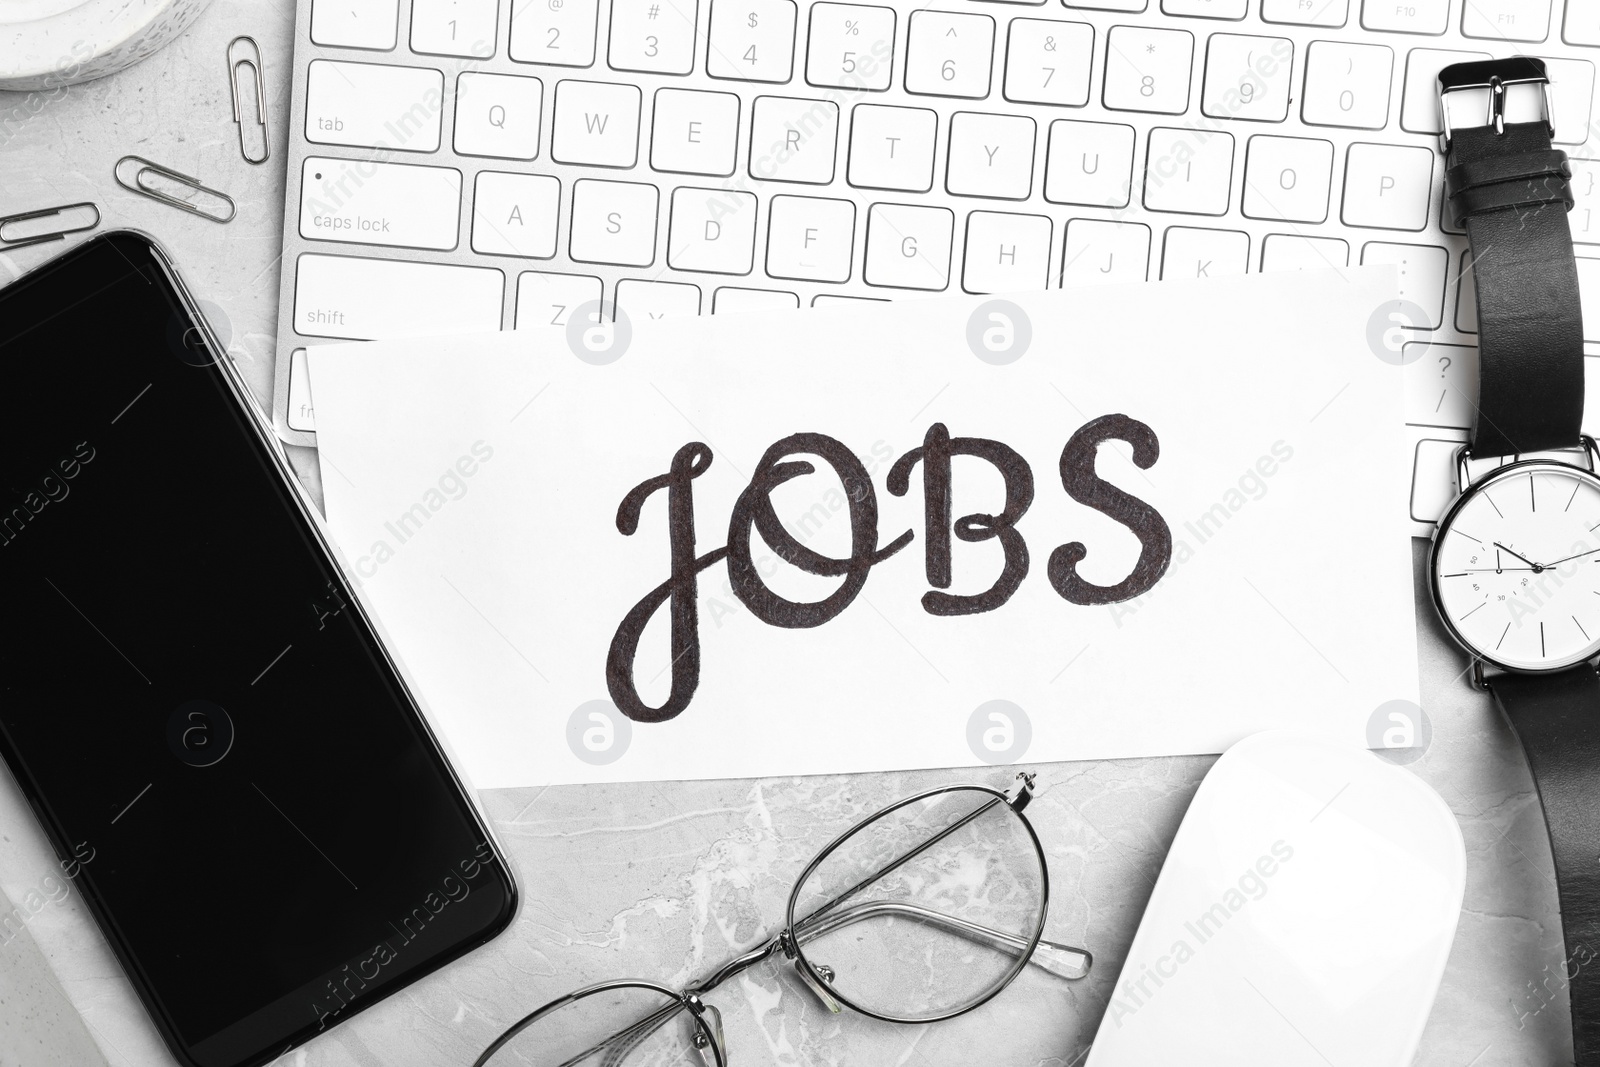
(918, 913)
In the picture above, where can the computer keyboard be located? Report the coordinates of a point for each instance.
(462, 165)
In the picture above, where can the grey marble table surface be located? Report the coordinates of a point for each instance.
(665, 880)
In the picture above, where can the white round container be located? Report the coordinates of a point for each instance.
(46, 44)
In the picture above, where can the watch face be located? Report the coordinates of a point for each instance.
(1516, 567)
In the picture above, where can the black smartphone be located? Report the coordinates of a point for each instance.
(192, 697)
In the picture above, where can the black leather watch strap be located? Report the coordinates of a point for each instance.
(1511, 191)
(1557, 719)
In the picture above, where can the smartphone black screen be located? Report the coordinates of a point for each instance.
(221, 751)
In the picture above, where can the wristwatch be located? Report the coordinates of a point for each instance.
(1515, 562)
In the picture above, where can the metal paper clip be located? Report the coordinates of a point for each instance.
(141, 183)
(251, 59)
(9, 243)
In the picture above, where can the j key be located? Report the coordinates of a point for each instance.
(1100, 253)
(850, 46)
(561, 34)
(1006, 253)
(1148, 69)
(656, 36)
(694, 132)
(713, 230)
(371, 106)
(949, 54)
(909, 247)
(1387, 186)
(1192, 252)
(1247, 77)
(892, 147)
(1048, 62)
(1287, 178)
(1347, 85)
(810, 238)
(752, 40)
(1089, 163)
(990, 155)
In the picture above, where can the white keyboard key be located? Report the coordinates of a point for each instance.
(641, 300)
(1207, 9)
(1287, 178)
(850, 46)
(498, 115)
(559, 34)
(949, 54)
(614, 222)
(1387, 186)
(1422, 273)
(1433, 479)
(793, 140)
(694, 132)
(1247, 77)
(595, 123)
(1406, 16)
(731, 299)
(1589, 296)
(1582, 25)
(1132, 6)
(369, 203)
(1419, 103)
(454, 27)
(1571, 97)
(1089, 163)
(1189, 171)
(990, 156)
(892, 147)
(822, 300)
(515, 214)
(1506, 20)
(909, 247)
(1440, 381)
(300, 413)
(1330, 13)
(1148, 69)
(1192, 252)
(368, 299)
(1283, 251)
(1006, 253)
(354, 24)
(1347, 85)
(752, 40)
(656, 36)
(810, 239)
(1584, 218)
(371, 106)
(546, 299)
(1100, 253)
(712, 230)
(1048, 62)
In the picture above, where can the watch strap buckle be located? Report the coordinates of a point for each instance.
(1495, 75)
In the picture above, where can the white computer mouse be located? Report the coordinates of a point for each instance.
(1303, 916)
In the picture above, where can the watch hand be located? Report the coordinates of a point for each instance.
(1591, 552)
(1525, 559)
(1494, 570)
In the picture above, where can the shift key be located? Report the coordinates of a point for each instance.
(371, 299)
(369, 105)
(363, 202)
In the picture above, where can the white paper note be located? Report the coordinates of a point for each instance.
(1250, 476)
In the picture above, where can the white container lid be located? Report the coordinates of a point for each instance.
(45, 44)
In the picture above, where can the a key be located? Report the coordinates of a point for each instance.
(1193, 252)
(733, 299)
(367, 105)
(793, 140)
(454, 27)
(949, 54)
(1347, 85)
(752, 40)
(547, 299)
(1188, 170)
(1100, 253)
(1284, 251)
(1419, 102)
(1406, 16)
(515, 214)
(1387, 186)
(614, 222)
(498, 115)
(1006, 253)
(656, 36)
(1582, 25)
(694, 132)
(1287, 178)
(595, 123)
(379, 203)
(355, 23)
(990, 156)
(1048, 62)
(1439, 381)
(908, 247)
(1506, 20)
(1571, 95)
(1089, 163)
(1247, 77)
(368, 299)
(810, 238)
(1330, 13)
(560, 34)
(892, 147)
(1421, 270)
(713, 230)
(642, 300)
(1207, 9)
(1148, 69)
(850, 46)
(1584, 218)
